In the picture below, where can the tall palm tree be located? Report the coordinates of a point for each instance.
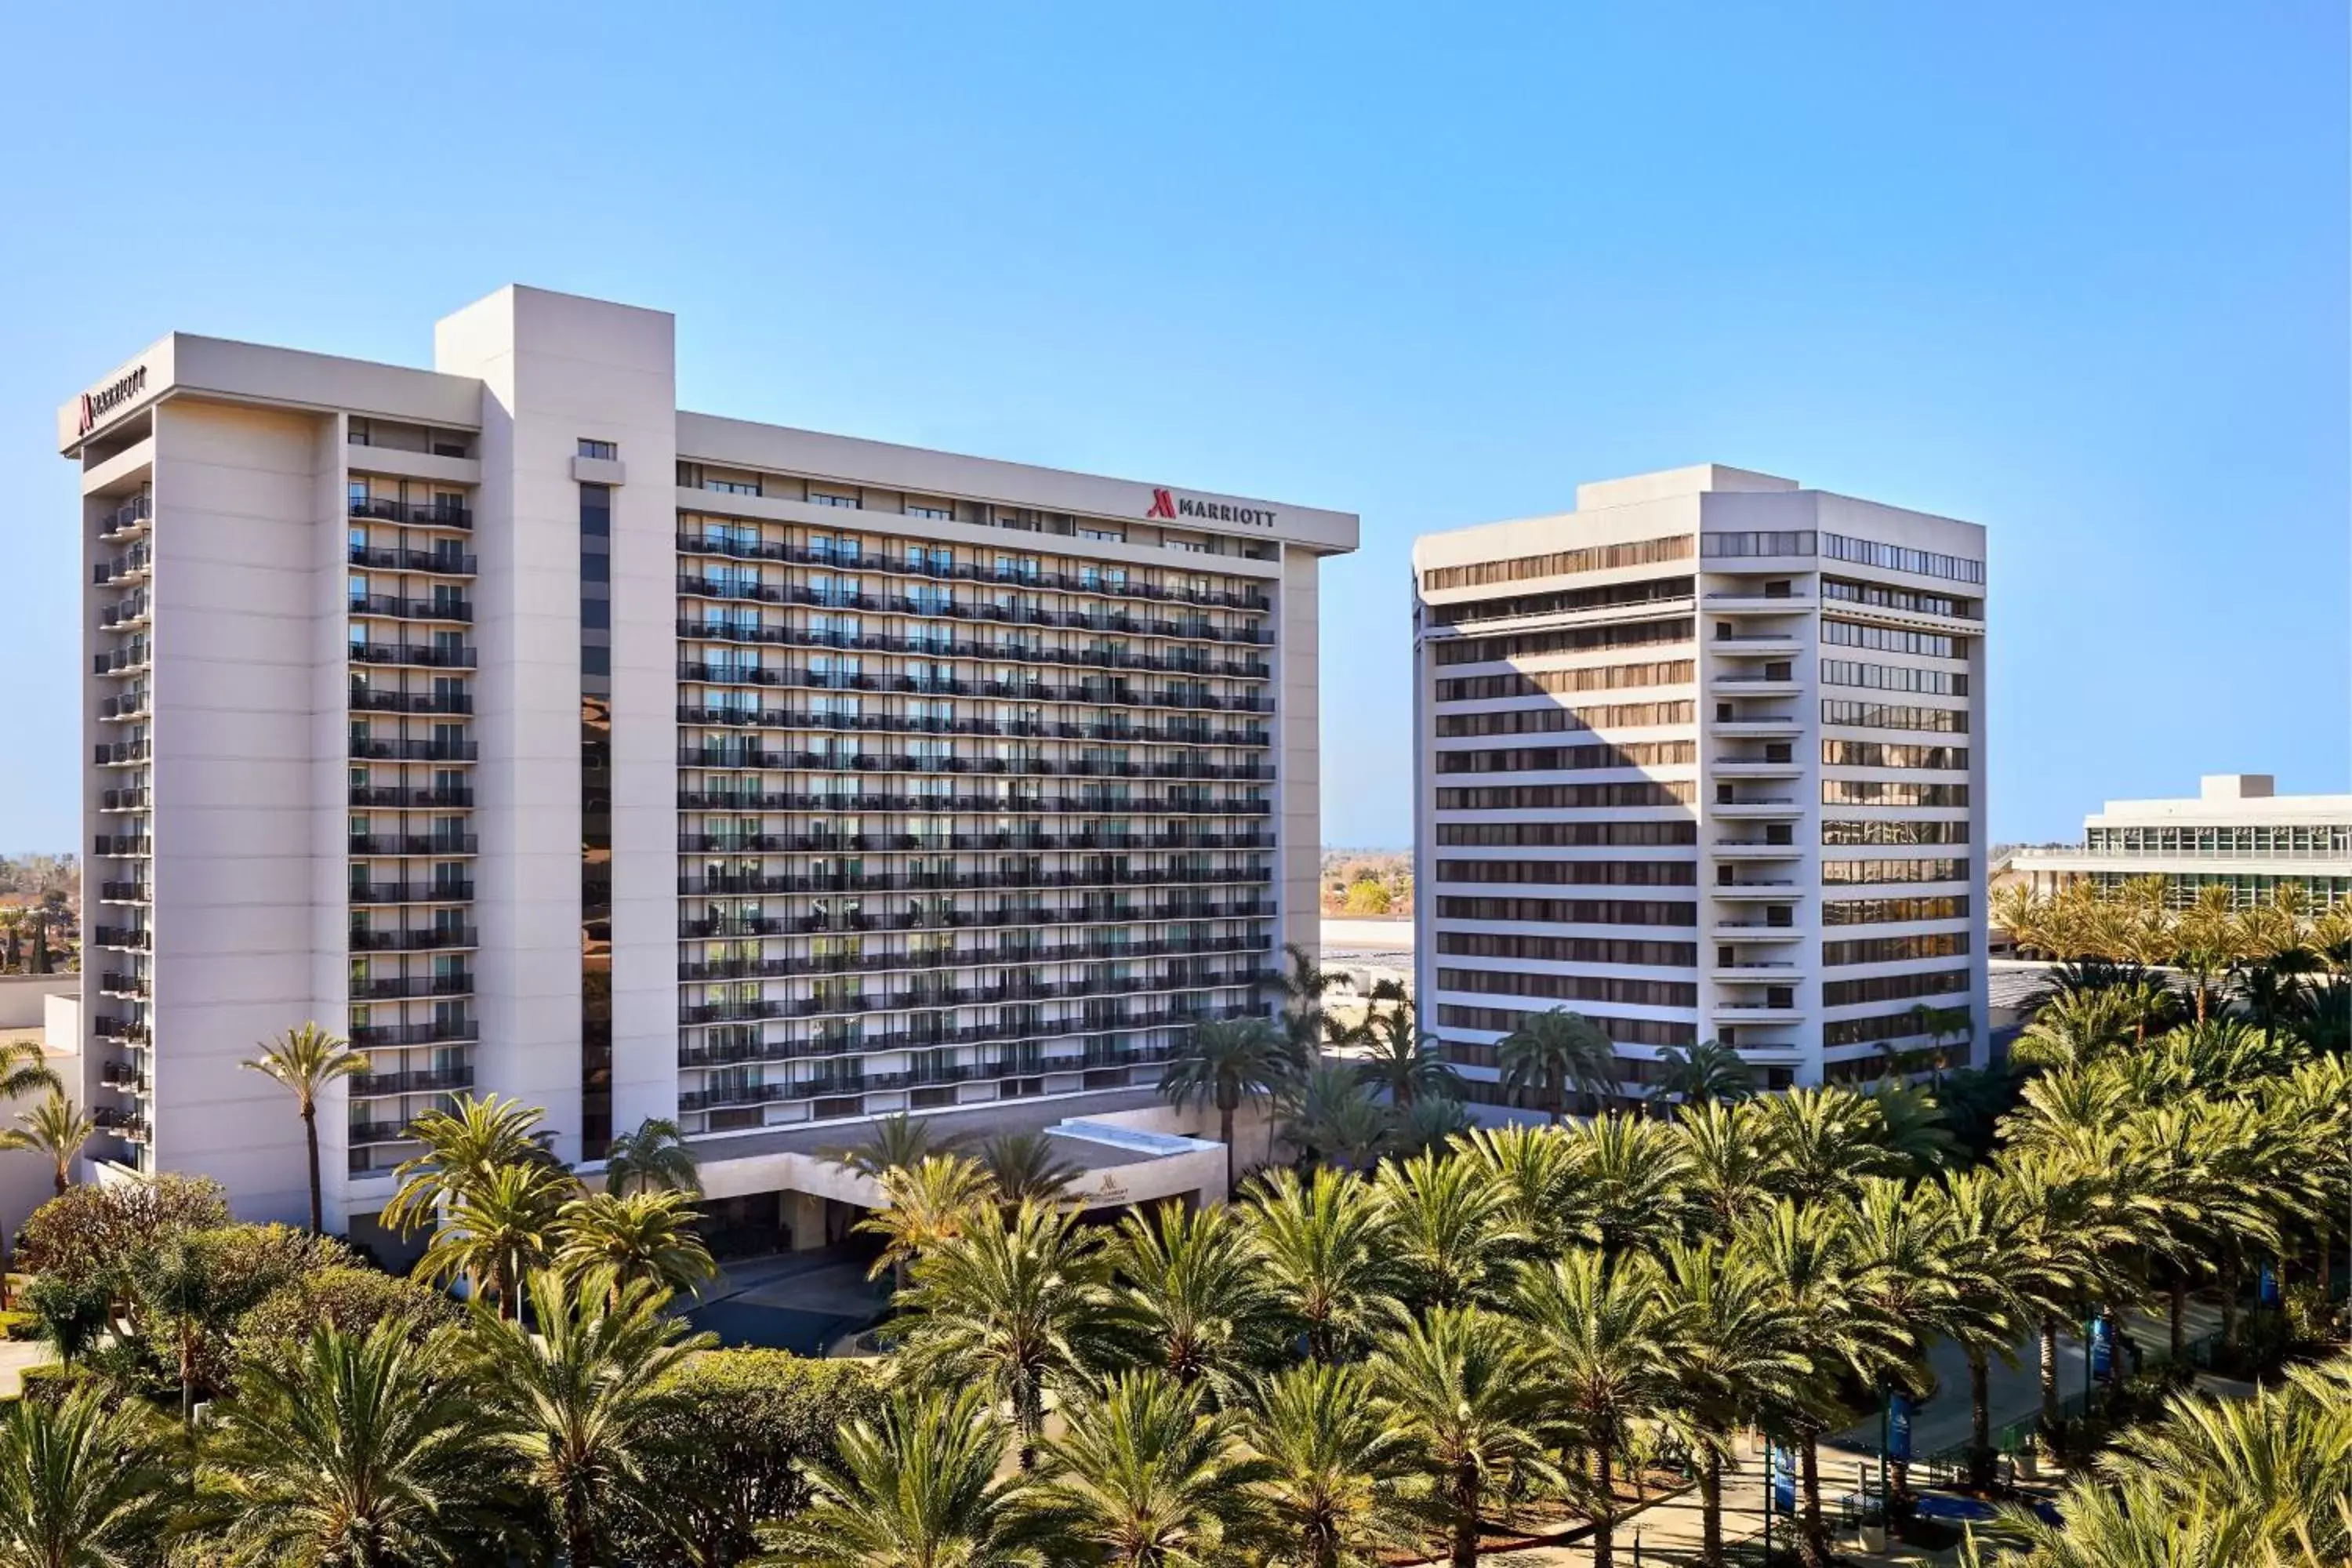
(1432, 1122)
(1303, 986)
(915, 1487)
(1225, 1064)
(364, 1453)
(1403, 1060)
(654, 1157)
(1808, 1252)
(586, 1401)
(1025, 1168)
(1329, 1257)
(1634, 1174)
(1334, 1468)
(463, 1145)
(2074, 1028)
(1446, 1228)
(502, 1229)
(1903, 1279)
(1194, 1294)
(1979, 1214)
(2211, 940)
(1732, 1167)
(641, 1237)
(1540, 1174)
(1467, 1394)
(304, 1060)
(1825, 1141)
(82, 1483)
(1606, 1339)
(1739, 1353)
(55, 1128)
(1334, 1117)
(1708, 1073)
(924, 1205)
(895, 1141)
(1143, 1478)
(1553, 1053)
(2061, 1253)
(1015, 1304)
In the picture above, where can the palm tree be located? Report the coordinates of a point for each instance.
(1303, 988)
(1335, 1118)
(1225, 1064)
(1635, 1173)
(25, 1070)
(641, 1237)
(2060, 1253)
(1329, 1257)
(2211, 940)
(1334, 1468)
(1540, 1173)
(1732, 1166)
(1902, 1278)
(915, 1487)
(1195, 1294)
(1977, 1215)
(1467, 1394)
(2077, 1027)
(363, 1453)
(1552, 1052)
(1403, 1060)
(304, 1060)
(1431, 1122)
(583, 1403)
(56, 1127)
(501, 1230)
(1710, 1073)
(1144, 1478)
(654, 1156)
(1446, 1228)
(1025, 1168)
(82, 1483)
(1739, 1353)
(463, 1145)
(1013, 1304)
(895, 1141)
(1606, 1339)
(1808, 1254)
(1825, 1141)
(923, 1204)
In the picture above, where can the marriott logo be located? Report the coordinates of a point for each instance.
(97, 406)
(1169, 505)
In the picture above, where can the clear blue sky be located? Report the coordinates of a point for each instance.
(2076, 272)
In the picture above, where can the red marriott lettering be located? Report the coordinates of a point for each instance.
(1168, 504)
(96, 405)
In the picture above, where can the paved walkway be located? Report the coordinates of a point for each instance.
(15, 1355)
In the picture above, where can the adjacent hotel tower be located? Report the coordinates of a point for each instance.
(1703, 759)
(551, 742)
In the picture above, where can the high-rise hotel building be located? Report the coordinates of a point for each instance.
(1703, 759)
(551, 741)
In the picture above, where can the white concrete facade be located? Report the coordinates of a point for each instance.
(554, 742)
(2237, 831)
(1702, 759)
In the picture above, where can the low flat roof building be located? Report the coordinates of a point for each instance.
(2236, 831)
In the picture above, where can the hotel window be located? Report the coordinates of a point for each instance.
(826, 498)
(935, 513)
(1112, 535)
(733, 486)
(605, 451)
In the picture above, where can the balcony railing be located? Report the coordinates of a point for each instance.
(424, 514)
(378, 1037)
(392, 604)
(892, 567)
(413, 843)
(730, 674)
(420, 797)
(372, 939)
(371, 749)
(367, 701)
(411, 892)
(423, 1081)
(382, 559)
(130, 514)
(1016, 651)
(412, 653)
(396, 988)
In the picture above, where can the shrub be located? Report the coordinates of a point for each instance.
(19, 1326)
(346, 1296)
(68, 1311)
(48, 1384)
(748, 1417)
(95, 1229)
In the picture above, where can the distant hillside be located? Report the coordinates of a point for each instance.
(1368, 881)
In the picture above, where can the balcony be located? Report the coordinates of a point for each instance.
(120, 753)
(440, 563)
(367, 748)
(128, 1125)
(420, 514)
(439, 844)
(1759, 932)
(131, 565)
(417, 797)
(1756, 849)
(359, 1134)
(134, 892)
(423, 1081)
(123, 845)
(128, 1031)
(130, 658)
(434, 939)
(412, 892)
(1762, 727)
(130, 518)
(412, 655)
(1016, 651)
(115, 982)
(134, 611)
(395, 607)
(400, 987)
(129, 938)
(129, 705)
(364, 700)
(125, 1077)
(892, 567)
(1757, 604)
(441, 1032)
(139, 799)
(1766, 808)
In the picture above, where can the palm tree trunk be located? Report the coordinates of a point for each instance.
(580, 1540)
(1809, 1475)
(1225, 1131)
(1465, 1553)
(2050, 1387)
(2179, 1312)
(311, 1138)
(2228, 1299)
(1604, 1512)
(1710, 1510)
(1979, 1419)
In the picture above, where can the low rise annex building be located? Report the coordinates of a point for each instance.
(1703, 759)
(550, 741)
(2237, 831)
